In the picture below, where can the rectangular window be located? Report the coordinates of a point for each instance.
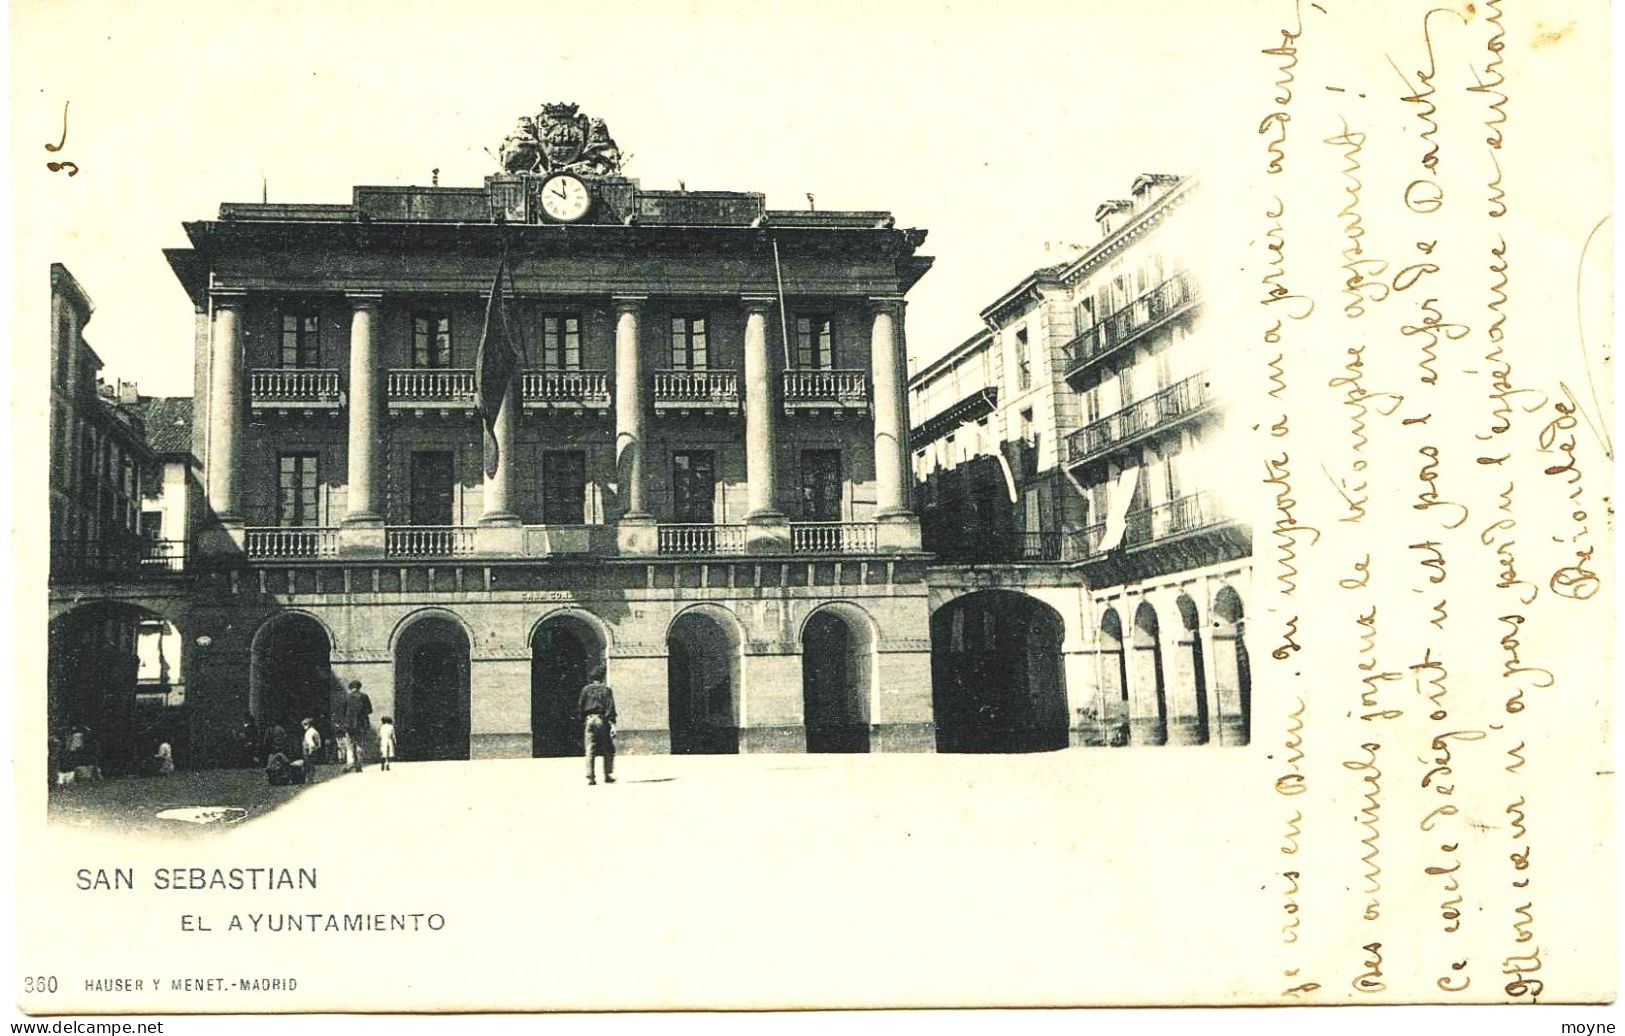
(152, 526)
(297, 482)
(564, 487)
(821, 486)
(1024, 362)
(688, 344)
(815, 343)
(561, 342)
(301, 340)
(433, 482)
(431, 340)
(693, 486)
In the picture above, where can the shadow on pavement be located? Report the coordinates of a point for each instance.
(214, 797)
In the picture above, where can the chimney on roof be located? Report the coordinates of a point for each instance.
(128, 394)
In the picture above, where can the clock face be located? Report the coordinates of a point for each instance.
(565, 198)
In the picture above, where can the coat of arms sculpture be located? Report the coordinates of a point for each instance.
(561, 140)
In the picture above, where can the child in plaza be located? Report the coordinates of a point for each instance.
(312, 745)
(386, 741)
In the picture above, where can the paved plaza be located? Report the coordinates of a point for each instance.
(719, 880)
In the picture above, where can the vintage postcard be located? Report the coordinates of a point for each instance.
(641, 507)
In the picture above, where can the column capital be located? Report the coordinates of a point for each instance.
(225, 298)
(364, 299)
(886, 302)
(754, 303)
(628, 303)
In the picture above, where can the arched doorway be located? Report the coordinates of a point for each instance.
(431, 690)
(997, 679)
(1232, 673)
(115, 687)
(290, 679)
(702, 683)
(564, 651)
(1188, 722)
(1113, 679)
(1149, 693)
(837, 652)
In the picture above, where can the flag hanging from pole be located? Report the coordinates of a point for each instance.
(496, 366)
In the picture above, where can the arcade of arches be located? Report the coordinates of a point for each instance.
(1164, 667)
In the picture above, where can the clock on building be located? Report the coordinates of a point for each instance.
(565, 198)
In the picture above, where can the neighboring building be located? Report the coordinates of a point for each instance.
(1069, 451)
(701, 474)
(113, 663)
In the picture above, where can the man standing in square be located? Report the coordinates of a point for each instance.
(598, 717)
(357, 724)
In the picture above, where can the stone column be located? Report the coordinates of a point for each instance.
(761, 405)
(636, 533)
(225, 409)
(890, 406)
(364, 407)
(497, 509)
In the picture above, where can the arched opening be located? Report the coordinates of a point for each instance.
(290, 679)
(564, 651)
(997, 679)
(1188, 724)
(1113, 679)
(115, 689)
(431, 690)
(702, 684)
(1232, 674)
(837, 650)
(1149, 693)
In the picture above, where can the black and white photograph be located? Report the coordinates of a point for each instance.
(637, 507)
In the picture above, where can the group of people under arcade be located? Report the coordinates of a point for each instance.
(295, 757)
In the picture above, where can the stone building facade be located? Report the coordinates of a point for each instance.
(1071, 466)
(701, 476)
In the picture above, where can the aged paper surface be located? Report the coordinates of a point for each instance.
(1409, 285)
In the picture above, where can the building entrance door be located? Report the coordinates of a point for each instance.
(433, 478)
(431, 691)
(563, 653)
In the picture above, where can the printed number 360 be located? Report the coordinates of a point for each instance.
(39, 983)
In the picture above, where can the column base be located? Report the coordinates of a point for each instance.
(903, 737)
(898, 531)
(361, 539)
(363, 520)
(500, 518)
(767, 532)
(759, 740)
(229, 536)
(499, 538)
(637, 533)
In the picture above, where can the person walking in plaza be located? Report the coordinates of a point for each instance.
(598, 725)
(357, 726)
(386, 742)
(311, 746)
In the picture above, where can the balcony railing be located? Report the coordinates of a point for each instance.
(1174, 403)
(290, 542)
(1120, 328)
(290, 388)
(833, 537)
(1179, 515)
(146, 559)
(566, 390)
(826, 390)
(700, 540)
(440, 388)
(697, 390)
(429, 541)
